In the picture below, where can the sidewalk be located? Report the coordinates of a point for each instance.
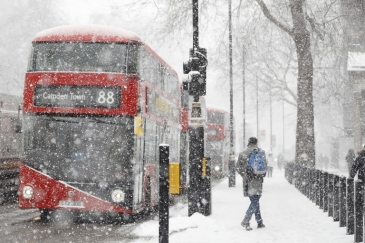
(288, 215)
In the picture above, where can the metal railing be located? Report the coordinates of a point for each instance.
(341, 197)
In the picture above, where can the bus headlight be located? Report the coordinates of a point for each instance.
(28, 192)
(216, 168)
(117, 195)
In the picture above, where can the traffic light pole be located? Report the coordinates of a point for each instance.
(196, 68)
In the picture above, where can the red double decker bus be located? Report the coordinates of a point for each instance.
(98, 101)
(218, 142)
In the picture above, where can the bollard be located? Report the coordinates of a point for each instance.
(309, 179)
(317, 186)
(342, 202)
(206, 201)
(336, 190)
(291, 173)
(330, 195)
(313, 187)
(350, 206)
(303, 183)
(321, 189)
(358, 212)
(295, 176)
(300, 179)
(307, 183)
(325, 191)
(164, 194)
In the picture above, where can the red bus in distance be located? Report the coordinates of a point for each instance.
(218, 142)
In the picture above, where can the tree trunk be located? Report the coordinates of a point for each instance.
(305, 142)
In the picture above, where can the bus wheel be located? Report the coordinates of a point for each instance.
(2, 198)
(45, 214)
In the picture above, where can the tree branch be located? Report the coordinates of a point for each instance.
(268, 15)
(313, 26)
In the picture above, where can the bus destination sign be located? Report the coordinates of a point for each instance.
(77, 96)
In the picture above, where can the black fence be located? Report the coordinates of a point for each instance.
(342, 198)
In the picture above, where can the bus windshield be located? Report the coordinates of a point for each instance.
(79, 57)
(215, 117)
(84, 150)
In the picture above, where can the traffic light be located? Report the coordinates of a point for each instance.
(196, 67)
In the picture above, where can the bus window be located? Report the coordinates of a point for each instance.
(82, 57)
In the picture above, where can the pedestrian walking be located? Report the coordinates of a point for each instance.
(359, 166)
(270, 164)
(350, 159)
(253, 183)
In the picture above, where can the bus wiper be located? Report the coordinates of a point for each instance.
(101, 121)
(61, 120)
(105, 122)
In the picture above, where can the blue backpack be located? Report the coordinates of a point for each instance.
(256, 163)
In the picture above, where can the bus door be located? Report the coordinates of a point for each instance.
(138, 161)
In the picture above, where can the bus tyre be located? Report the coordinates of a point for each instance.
(2, 198)
(45, 214)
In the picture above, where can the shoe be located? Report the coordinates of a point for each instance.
(260, 225)
(246, 226)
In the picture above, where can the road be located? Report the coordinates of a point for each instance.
(25, 226)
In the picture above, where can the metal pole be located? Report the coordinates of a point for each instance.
(270, 122)
(350, 207)
(283, 131)
(330, 195)
(317, 187)
(342, 202)
(321, 189)
(195, 25)
(196, 133)
(164, 194)
(325, 191)
(359, 203)
(257, 108)
(231, 164)
(336, 197)
(244, 100)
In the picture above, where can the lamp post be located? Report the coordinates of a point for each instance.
(270, 121)
(283, 129)
(231, 163)
(257, 108)
(244, 98)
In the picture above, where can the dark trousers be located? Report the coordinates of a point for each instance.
(254, 208)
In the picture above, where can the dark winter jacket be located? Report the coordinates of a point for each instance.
(254, 184)
(359, 166)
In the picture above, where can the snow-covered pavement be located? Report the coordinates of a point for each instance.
(288, 215)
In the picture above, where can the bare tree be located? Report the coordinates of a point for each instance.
(275, 58)
(305, 142)
(18, 28)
